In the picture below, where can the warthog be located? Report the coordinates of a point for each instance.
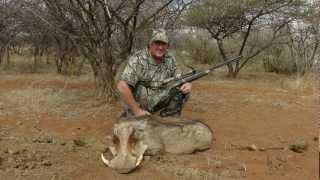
(152, 135)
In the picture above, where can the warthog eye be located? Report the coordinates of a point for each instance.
(115, 140)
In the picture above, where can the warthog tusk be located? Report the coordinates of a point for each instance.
(105, 161)
(139, 160)
(144, 148)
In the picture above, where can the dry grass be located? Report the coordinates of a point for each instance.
(39, 100)
(189, 173)
(24, 64)
(38, 97)
(54, 95)
(72, 98)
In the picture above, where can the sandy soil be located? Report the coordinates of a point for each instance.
(53, 127)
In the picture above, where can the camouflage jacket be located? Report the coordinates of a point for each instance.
(145, 76)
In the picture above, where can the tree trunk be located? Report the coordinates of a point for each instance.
(36, 59)
(104, 79)
(236, 72)
(1, 55)
(224, 56)
(58, 63)
(80, 66)
(7, 50)
(48, 57)
(5, 55)
(314, 52)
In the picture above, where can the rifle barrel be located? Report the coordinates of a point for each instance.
(225, 63)
(196, 74)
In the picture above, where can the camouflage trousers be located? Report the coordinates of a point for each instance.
(175, 103)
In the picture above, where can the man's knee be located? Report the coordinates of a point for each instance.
(175, 105)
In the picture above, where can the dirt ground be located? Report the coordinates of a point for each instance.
(53, 127)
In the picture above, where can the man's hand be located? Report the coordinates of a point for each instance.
(128, 98)
(141, 112)
(186, 88)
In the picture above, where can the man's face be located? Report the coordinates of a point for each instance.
(158, 49)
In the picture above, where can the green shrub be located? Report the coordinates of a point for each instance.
(198, 49)
(283, 60)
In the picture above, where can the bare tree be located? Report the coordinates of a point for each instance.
(299, 49)
(239, 19)
(303, 46)
(8, 28)
(103, 31)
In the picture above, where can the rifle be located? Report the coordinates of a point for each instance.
(172, 83)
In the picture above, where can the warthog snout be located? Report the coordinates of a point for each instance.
(126, 150)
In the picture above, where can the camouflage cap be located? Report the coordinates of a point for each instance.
(159, 35)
